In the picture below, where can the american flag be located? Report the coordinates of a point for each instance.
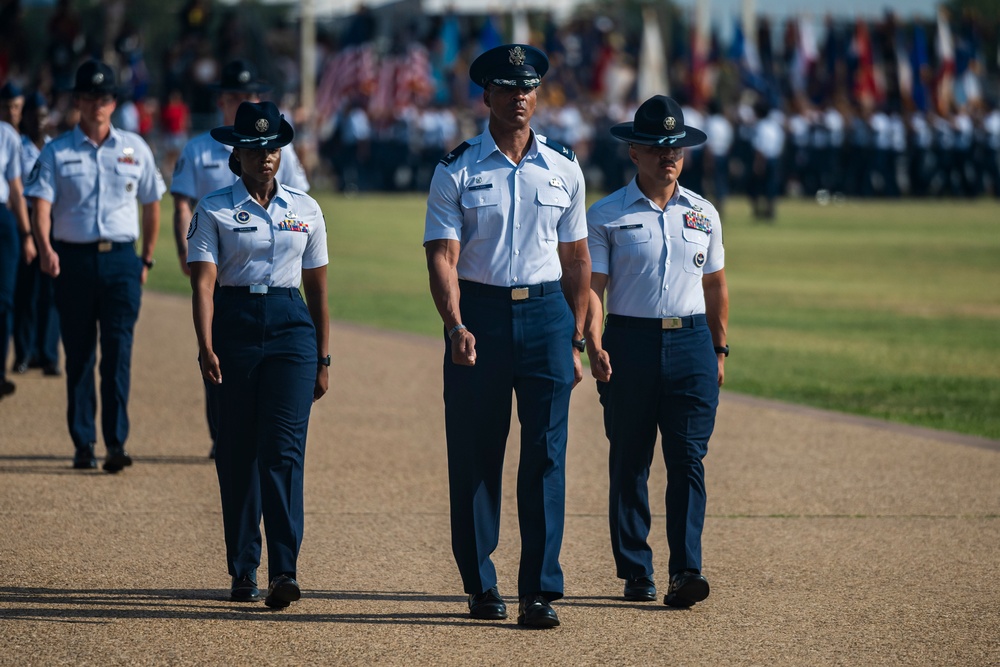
(345, 74)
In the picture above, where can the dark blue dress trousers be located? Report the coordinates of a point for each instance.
(664, 380)
(522, 348)
(266, 344)
(98, 293)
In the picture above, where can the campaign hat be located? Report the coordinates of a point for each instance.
(11, 91)
(95, 77)
(510, 66)
(257, 125)
(659, 121)
(240, 76)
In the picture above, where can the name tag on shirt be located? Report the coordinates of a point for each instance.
(699, 221)
(629, 227)
(244, 229)
(484, 186)
(293, 226)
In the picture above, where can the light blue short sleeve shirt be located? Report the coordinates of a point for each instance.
(95, 190)
(10, 158)
(254, 246)
(509, 218)
(654, 259)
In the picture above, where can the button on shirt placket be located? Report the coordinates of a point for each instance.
(665, 227)
(515, 233)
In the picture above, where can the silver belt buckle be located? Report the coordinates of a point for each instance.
(671, 323)
(104, 246)
(519, 294)
(258, 289)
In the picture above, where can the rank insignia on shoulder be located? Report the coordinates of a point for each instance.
(559, 148)
(455, 152)
(699, 221)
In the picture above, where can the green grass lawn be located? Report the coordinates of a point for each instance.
(886, 309)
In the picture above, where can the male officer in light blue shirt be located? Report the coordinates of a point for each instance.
(84, 188)
(657, 249)
(13, 224)
(505, 238)
(203, 167)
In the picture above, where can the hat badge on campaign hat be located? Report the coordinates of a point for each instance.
(257, 125)
(659, 121)
(95, 77)
(240, 76)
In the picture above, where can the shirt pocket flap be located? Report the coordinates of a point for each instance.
(552, 197)
(695, 236)
(630, 236)
(126, 169)
(477, 198)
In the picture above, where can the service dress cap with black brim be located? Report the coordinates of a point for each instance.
(510, 66)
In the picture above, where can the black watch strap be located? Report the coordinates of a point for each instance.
(723, 350)
(149, 263)
(324, 361)
(580, 344)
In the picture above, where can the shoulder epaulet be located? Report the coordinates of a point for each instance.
(455, 152)
(559, 148)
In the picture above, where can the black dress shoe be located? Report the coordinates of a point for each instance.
(686, 588)
(534, 611)
(283, 591)
(244, 589)
(51, 370)
(6, 387)
(487, 605)
(117, 459)
(640, 589)
(84, 458)
(21, 367)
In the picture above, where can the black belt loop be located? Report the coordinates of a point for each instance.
(513, 293)
(662, 323)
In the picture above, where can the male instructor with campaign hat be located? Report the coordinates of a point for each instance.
(657, 250)
(84, 189)
(505, 238)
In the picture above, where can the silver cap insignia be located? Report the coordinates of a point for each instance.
(669, 122)
(261, 125)
(517, 56)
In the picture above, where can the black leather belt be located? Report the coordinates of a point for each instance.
(508, 293)
(96, 246)
(686, 322)
(255, 290)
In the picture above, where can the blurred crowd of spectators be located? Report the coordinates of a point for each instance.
(845, 109)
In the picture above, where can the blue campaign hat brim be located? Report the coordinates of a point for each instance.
(688, 136)
(228, 135)
(254, 87)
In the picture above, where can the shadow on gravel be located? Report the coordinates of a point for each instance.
(62, 465)
(98, 606)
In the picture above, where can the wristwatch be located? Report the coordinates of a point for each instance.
(324, 361)
(723, 350)
(149, 263)
(580, 344)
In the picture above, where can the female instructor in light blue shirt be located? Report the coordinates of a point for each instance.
(250, 246)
